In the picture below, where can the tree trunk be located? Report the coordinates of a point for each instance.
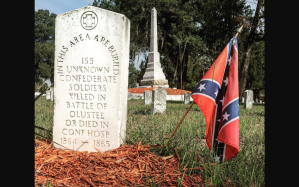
(247, 55)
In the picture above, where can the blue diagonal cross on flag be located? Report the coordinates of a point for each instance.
(217, 95)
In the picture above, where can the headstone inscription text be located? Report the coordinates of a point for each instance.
(91, 78)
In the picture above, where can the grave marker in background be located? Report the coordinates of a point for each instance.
(147, 97)
(48, 94)
(130, 95)
(91, 79)
(248, 99)
(51, 93)
(159, 101)
(186, 98)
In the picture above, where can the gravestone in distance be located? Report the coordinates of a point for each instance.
(91, 79)
(130, 95)
(186, 98)
(51, 93)
(248, 99)
(48, 94)
(242, 99)
(147, 97)
(159, 101)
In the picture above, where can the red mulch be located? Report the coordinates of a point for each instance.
(170, 91)
(127, 165)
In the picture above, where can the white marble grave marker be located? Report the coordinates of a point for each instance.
(48, 94)
(130, 95)
(159, 101)
(147, 97)
(91, 79)
(186, 98)
(51, 93)
(248, 99)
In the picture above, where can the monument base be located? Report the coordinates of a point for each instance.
(153, 82)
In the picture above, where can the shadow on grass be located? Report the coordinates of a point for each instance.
(142, 111)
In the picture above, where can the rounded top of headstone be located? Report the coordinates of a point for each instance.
(88, 8)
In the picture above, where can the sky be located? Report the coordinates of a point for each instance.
(62, 6)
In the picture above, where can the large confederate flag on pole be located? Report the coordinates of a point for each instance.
(217, 95)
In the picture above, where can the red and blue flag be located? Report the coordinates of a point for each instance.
(217, 95)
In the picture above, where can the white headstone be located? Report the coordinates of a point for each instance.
(130, 95)
(154, 75)
(91, 79)
(48, 94)
(36, 94)
(51, 93)
(159, 101)
(242, 99)
(147, 97)
(261, 101)
(186, 98)
(248, 99)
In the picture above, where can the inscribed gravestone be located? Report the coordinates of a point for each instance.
(147, 97)
(159, 101)
(186, 98)
(248, 99)
(91, 79)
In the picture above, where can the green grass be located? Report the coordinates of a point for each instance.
(246, 169)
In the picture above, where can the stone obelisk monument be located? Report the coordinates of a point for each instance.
(154, 76)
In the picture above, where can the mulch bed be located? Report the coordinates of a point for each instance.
(170, 91)
(128, 165)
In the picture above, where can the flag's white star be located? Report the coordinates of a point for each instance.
(230, 58)
(216, 93)
(222, 100)
(225, 116)
(226, 81)
(202, 86)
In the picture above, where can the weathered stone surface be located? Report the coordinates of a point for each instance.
(248, 99)
(48, 94)
(147, 97)
(91, 79)
(130, 95)
(155, 82)
(153, 73)
(186, 98)
(159, 101)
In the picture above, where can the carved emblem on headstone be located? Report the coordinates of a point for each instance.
(89, 20)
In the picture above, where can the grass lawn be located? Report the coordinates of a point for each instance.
(246, 169)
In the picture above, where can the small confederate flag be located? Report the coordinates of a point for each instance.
(219, 96)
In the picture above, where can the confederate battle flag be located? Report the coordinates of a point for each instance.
(217, 95)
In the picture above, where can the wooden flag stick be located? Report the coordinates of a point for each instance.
(179, 123)
(239, 31)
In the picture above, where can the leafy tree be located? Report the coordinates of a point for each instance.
(44, 45)
(256, 33)
(191, 34)
(133, 75)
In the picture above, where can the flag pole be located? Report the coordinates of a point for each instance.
(239, 31)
